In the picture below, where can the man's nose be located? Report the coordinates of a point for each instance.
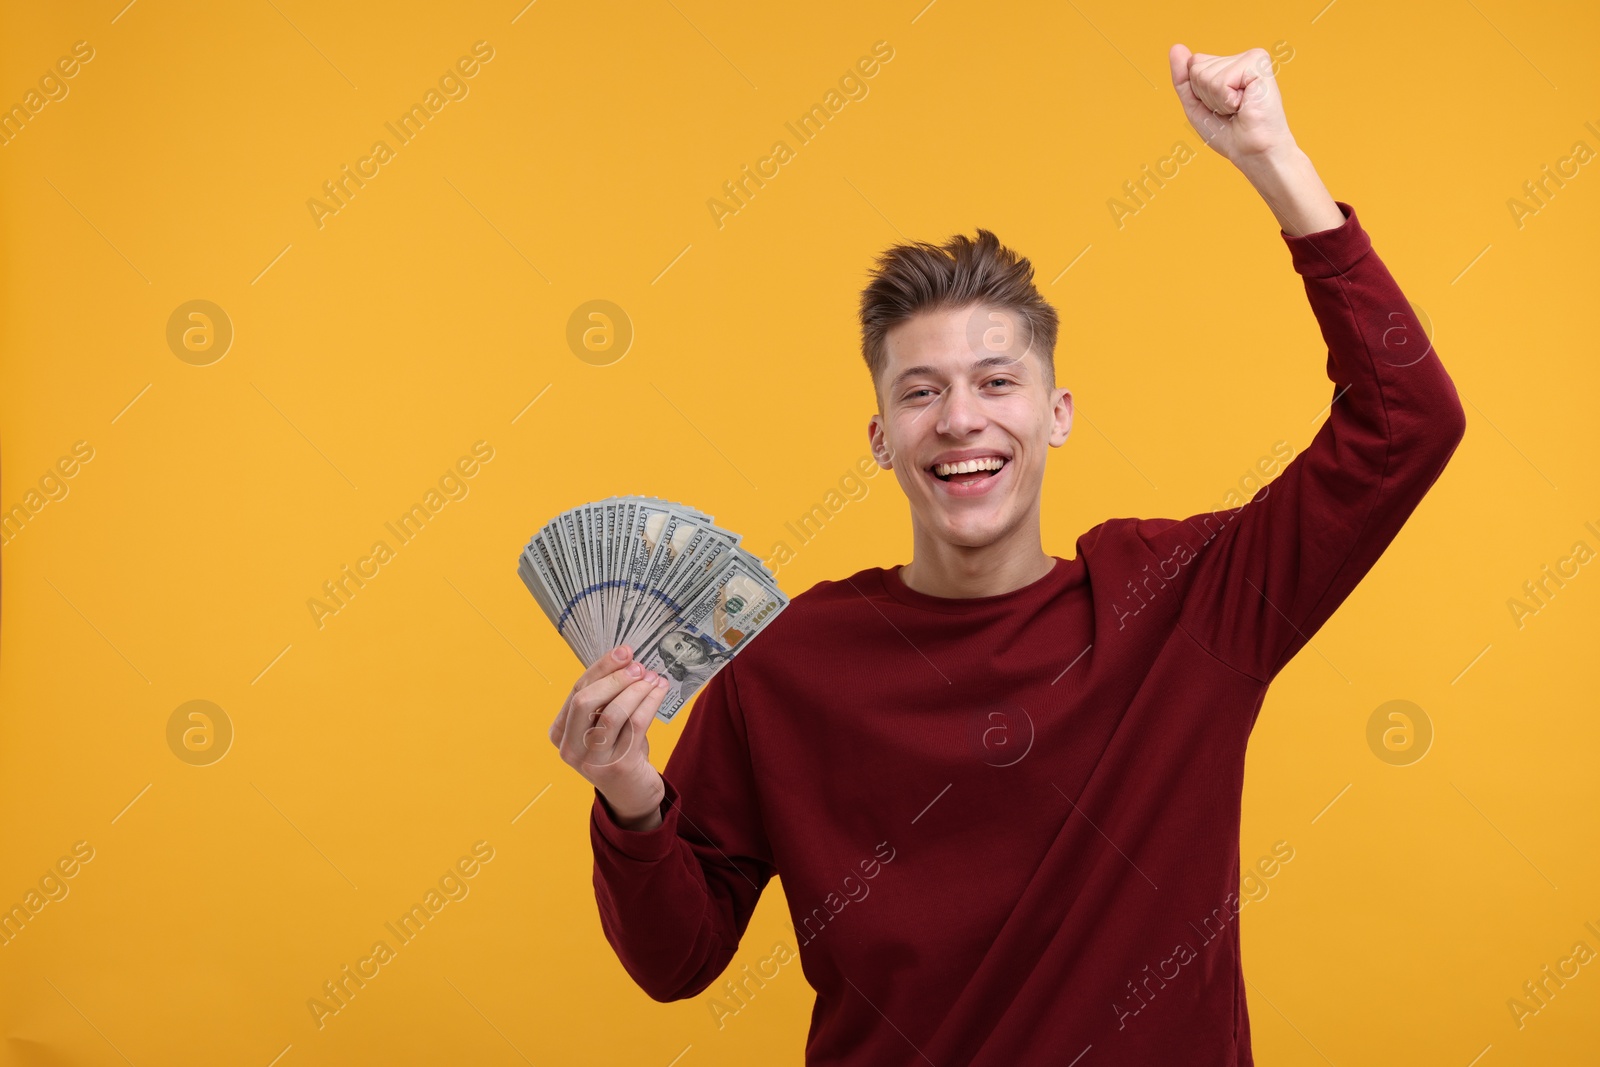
(960, 414)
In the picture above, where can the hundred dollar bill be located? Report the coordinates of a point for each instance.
(700, 638)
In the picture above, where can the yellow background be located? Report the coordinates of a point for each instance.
(431, 311)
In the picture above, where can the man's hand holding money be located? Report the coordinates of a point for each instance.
(600, 732)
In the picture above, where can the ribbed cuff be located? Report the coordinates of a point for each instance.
(1327, 253)
(643, 845)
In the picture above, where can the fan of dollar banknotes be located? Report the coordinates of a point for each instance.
(657, 576)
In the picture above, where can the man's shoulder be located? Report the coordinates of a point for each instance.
(1119, 530)
(1135, 537)
(1152, 527)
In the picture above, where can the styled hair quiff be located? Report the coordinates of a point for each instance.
(912, 278)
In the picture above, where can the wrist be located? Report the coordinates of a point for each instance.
(1272, 165)
(644, 824)
(635, 817)
(1287, 181)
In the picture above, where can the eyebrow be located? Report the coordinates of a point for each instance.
(982, 364)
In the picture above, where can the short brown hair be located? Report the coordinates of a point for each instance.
(918, 277)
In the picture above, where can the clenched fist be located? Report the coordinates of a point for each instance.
(1232, 102)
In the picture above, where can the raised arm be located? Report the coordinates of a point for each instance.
(1263, 577)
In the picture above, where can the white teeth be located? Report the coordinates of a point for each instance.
(988, 463)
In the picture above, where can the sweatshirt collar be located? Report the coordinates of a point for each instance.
(1038, 590)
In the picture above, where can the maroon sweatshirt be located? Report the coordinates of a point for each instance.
(1008, 826)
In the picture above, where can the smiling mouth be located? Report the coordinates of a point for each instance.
(970, 477)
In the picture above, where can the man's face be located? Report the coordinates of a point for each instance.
(963, 384)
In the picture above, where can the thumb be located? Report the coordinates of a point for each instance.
(1178, 59)
(1199, 115)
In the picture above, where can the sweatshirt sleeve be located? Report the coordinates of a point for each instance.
(674, 901)
(1268, 574)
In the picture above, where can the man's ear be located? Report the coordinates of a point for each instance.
(1061, 417)
(879, 444)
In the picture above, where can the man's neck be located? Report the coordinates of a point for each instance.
(945, 570)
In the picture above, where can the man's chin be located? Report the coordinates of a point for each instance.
(972, 530)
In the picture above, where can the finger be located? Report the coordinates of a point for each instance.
(589, 702)
(646, 711)
(1181, 60)
(613, 660)
(1253, 75)
(618, 657)
(1178, 61)
(594, 697)
(610, 741)
(1237, 77)
(637, 725)
(1200, 115)
(611, 736)
(1227, 80)
(1207, 80)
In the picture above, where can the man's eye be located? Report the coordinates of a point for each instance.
(1002, 381)
(914, 392)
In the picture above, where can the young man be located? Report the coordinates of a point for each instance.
(1003, 788)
